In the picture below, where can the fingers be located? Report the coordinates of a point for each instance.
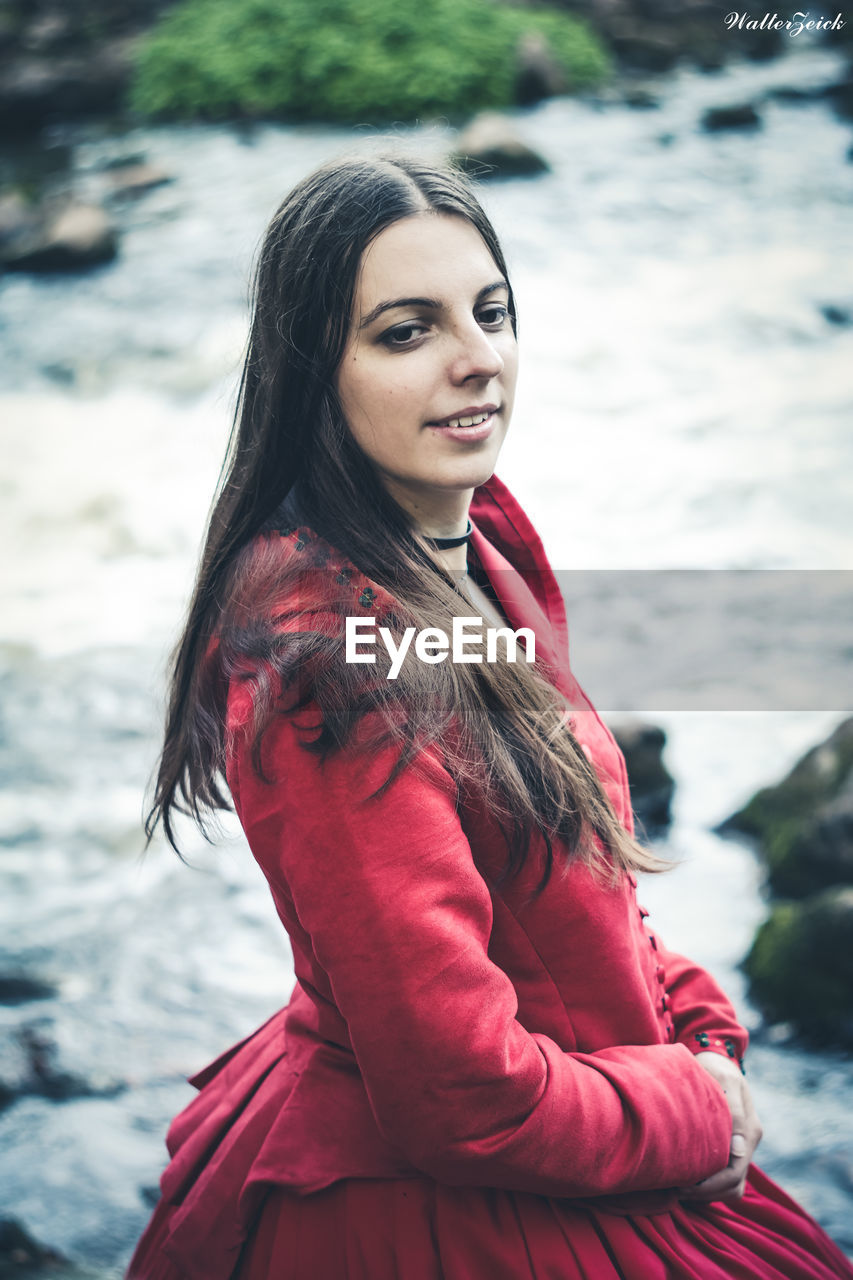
(728, 1183)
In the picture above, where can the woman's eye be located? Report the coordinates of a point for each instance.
(493, 316)
(402, 335)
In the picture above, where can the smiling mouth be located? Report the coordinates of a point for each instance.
(467, 420)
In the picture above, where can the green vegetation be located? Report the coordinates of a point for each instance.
(787, 820)
(348, 60)
(800, 967)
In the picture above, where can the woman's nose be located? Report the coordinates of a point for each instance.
(475, 355)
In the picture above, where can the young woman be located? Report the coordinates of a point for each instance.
(489, 1067)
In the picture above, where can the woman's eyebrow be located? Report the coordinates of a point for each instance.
(433, 303)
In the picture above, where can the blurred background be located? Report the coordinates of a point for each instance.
(672, 186)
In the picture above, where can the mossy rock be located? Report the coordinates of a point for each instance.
(804, 824)
(491, 147)
(651, 784)
(361, 61)
(800, 966)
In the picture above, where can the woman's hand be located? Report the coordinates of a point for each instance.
(728, 1184)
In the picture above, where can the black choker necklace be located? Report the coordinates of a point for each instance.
(445, 544)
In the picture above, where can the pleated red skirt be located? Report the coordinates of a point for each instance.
(419, 1230)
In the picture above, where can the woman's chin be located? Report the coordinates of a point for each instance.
(475, 472)
(460, 483)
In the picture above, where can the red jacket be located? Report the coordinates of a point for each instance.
(437, 1027)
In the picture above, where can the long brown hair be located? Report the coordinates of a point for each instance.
(501, 728)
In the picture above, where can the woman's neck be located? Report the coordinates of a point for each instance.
(441, 516)
(453, 559)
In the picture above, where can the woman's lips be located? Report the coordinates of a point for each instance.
(481, 424)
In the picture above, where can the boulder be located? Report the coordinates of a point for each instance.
(38, 88)
(800, 966)
(20, 1255)
(651, 783)
(538, 73)
(644, 47)
(75, 237)
(15, 1076)
(29, 1067)
(827, 840)
(137, 178)
(655, 35)
(48, 1079)
(796, 93)
(641, 97)
(737, 115)
(60, 59)
(804, 824)
(19, 988)
(490, 147)
(836, 315)
(17, 218)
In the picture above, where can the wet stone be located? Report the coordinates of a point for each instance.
(538, 73)
(804, 824)
(740, 115)
(137, 179)
(18, 988)
(836, 315)
(29, 1067)
(491, 147)
(800, 966)
(70, 239)
(21, 1255)
(652, 786)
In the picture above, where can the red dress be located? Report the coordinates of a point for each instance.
(467, 1084)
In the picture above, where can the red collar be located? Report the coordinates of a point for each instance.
(505, 540)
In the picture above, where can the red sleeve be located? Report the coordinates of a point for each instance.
(399, 919)
(702, 1014)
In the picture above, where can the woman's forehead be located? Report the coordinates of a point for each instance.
(425, 255)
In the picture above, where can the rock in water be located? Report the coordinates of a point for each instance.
(804, 825)
(78, 236)
(20, 1255)
(800, 966)
(645, 48)
(16, 218)
(741, 115)
(836, 315)
(538, 73)
(19, 988)
(490, 147)
(650, 781)
(137, 179)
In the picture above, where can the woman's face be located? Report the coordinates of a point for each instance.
(428, 374)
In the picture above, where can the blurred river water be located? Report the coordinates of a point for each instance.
(684, 404)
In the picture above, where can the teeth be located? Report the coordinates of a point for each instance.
(469, 422)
